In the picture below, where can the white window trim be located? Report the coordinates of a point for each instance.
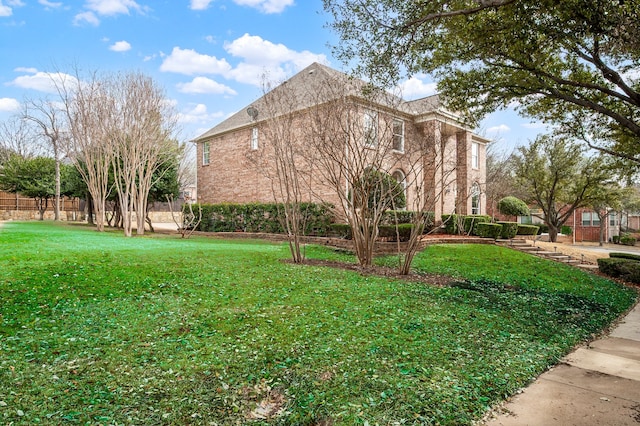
(254, 138)
(370, 124)
(206, 153)
(394, 134)
(475, 157)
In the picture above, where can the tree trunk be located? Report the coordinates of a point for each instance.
(553, 233)
(56, 203)
(89, 208)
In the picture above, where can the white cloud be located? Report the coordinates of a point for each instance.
(189, 62)
(26, 69)
(266, 6)
(88, 17)
(7, 10)
(200, 4)
(120, 46)
(112, 7)
(495, 131)
(9, 104)
(205, 85)
(43, 81)
(416, 87)
(50, 4)
(264, 57)
(199, 114)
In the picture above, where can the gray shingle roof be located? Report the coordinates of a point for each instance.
(306, 89)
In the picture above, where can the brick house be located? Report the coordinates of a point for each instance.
(225, 175)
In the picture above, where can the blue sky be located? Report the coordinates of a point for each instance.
(208, 55)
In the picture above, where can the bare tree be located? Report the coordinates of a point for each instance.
(90, 148)
(138, 126)
(280, 158)
(17, 137)
(350, 141)
(48, 118)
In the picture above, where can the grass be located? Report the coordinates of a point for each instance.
(96, 328)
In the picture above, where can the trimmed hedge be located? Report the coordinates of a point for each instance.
(389, 231)
(627, 240)
(509, 230)
(261, 217)
(625, 256)
(450, 222)
(566, 230)
(527, 229)
(470, 222)
(488, 230)
(543, 229)
(625, 269)
(341, 230)
(405, 217)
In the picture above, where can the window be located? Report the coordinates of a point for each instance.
(613, 219)
(370, 128)
(254, 138)
(399, 177)
(590, 219)
(205, 153)
(525, 220)
(398, 135)
(475, 159)
(475, 199)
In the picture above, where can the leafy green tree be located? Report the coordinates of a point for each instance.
(31, 177)
(607, 198)
(566, 62)
(513, 206)
(556, 176)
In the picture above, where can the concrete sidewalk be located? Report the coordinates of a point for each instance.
(597, 384)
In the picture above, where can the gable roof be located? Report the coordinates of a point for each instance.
(306, 88)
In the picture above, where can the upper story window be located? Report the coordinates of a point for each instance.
(254, 138)
(370, 128)
(398, 135)
(475, 155)
(205, 153)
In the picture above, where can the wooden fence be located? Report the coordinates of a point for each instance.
(17, 202)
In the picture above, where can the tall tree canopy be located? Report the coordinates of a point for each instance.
(557, 177)
(573, 62)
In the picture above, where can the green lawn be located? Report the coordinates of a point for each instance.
(99, 329)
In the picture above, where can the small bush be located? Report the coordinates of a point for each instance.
(625, 269)
(509, 229)
(261, 217)
(627, 240)
(527, 229)
(470, 222)
(403, 216)
(544, 229)
(630, 256)
(566, 230)
(512, 206)
(450, 222)
(616, 239)
(488, 230)
(389, 231)
(341, 230)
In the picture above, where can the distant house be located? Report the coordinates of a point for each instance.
(224, 175)
(585, 224)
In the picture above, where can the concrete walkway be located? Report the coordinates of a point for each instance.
(597, 384)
